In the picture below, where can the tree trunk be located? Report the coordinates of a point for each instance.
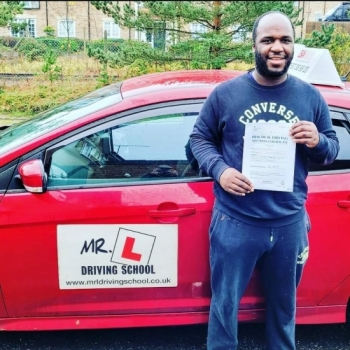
(214, 52)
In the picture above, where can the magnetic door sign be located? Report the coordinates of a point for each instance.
(117, 256)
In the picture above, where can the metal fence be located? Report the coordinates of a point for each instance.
(25, 58)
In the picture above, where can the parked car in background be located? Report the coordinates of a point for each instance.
(339, 13)
(105, 213)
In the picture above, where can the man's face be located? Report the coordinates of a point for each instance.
(274, 46)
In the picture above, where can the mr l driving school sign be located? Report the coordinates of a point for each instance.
(117, 256)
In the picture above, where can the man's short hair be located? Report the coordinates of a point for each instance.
(257, 21)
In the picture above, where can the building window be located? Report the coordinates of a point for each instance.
(112, 29)
(66, 28)
(318, 15)
(29, 30)
(156, 37)
(28, 5)
(159, 35)
(197, 29)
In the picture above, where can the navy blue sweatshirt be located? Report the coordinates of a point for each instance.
(217, 143)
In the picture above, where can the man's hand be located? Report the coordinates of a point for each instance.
(306, 133)
(234, 182)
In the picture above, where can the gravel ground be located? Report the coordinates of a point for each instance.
(251, 336)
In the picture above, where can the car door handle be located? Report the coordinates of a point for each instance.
(171, 212)
(344, 204)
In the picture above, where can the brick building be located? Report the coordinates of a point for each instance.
(79, 19)
(74, 19)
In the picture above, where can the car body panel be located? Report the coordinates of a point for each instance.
(327, 237)
(102, 207)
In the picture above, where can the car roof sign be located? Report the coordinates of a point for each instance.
(315, 66)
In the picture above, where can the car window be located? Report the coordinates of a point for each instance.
(342, 162)
(339, 12)
(152, 148)
(347, 12)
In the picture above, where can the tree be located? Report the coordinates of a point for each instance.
(197, 32)
(8, 12)
(337, 41)
(320, 39)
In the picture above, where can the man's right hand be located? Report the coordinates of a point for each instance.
(234, 182)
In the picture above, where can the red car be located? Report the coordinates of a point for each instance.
(104, 213)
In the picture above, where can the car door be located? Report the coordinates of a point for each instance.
(122, 228)
(328, 268)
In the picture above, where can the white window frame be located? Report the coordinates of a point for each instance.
(31, 5)
(63, 32)
(31, 28)
(112, 29)
(139, 35)
(196, 29)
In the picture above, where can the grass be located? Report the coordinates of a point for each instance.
(25, 99)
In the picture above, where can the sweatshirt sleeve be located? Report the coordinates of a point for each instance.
(205, 138)
(328, 147)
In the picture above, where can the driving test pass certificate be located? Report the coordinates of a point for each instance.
(269, 156)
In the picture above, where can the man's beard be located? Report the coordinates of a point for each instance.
(261, 66)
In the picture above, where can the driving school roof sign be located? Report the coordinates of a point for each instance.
(314, 66)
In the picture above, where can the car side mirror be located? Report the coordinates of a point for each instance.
(33, 176)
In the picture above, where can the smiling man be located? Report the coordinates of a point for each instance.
(273, 49)
(258, 228)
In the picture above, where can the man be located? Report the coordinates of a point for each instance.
(261, 228)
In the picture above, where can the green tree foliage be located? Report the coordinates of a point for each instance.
(49, 31)
(339, 48)
(320, 39)
(337, 41)
(175, 23)
(50, 67)
(8, 12)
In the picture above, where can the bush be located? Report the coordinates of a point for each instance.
(112, 44)
(3, 49)
(51, 43)
(339, 48)
(31, 48)
(9, 41)
(71, 45)
(62, 45)
(49, 31)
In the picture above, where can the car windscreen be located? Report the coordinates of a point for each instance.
(52, 119)
(332, 10)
